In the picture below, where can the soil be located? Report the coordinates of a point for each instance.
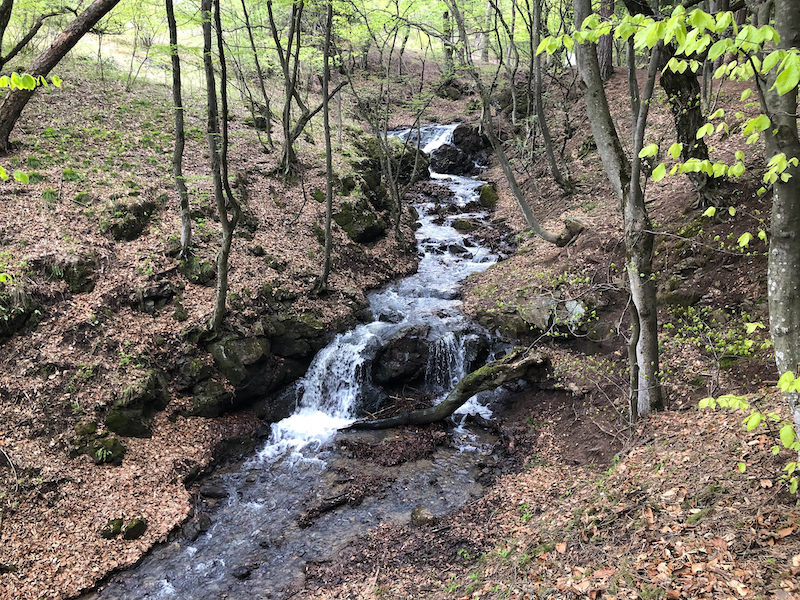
(585, 506)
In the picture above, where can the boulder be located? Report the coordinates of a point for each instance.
(359, 221)
(135, 529)
(102, 448)
(403, 357)
(422, 516)
(469, 139)
(112, 529)
(138, 402)
(451, 160)
(296, 336)
(210, 398)
(233, 355)
(488, 196)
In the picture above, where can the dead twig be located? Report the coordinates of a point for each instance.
(13, 469)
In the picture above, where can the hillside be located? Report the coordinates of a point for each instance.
(597, 509)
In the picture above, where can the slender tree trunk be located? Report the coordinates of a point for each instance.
(217, 146)
(180, 135)
(16, 100)
(448, 47)
(783, 274)
(262, 87)
(625, 180)
(573, 228)
(326, 76)
(639, 250)
(537, 97)
(487, 25)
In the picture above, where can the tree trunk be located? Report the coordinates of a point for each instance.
(573, 228)
(783, 275)
(604, 49)
(624, 179)
(13, 104)
(262, 87)
(537, 97)
(180, 135)
(217, 146)
(518, 364)
(448, 47)
(326, 76)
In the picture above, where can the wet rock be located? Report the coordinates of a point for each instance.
(209, 490)
(241, 572)
(464, 225)
(449, 159)
(421, 516)
(233, 355)
(457, 249)
(112, 529)
(296, 336)
(199, 270)
(204, 522)
(191, 531)
(135, 529)
(210, 399)
(403, 356)
(469, 139)
(139, 400)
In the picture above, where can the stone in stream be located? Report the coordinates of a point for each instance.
(210, 490)
(421, 516)
(241, 572)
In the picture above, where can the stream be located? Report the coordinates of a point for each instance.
(256, 547)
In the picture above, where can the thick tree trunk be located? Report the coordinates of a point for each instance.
(13, 105)
(783, 278)
(518, 364)
(180, 135)
(604, 49)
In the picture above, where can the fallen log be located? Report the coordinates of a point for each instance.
(520, 363)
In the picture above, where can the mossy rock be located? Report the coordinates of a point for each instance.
(464, 225)
(296, 336)
(488, 195)
(135, 529)
(359, 221)
(233, 355)
(126, 220)
(210, 399)
(102, 448)
(139, 401)
(199, 270)
(112, 529)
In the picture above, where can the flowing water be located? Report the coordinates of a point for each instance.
(255, 547)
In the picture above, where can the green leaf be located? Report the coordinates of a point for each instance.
(27, 82)
(761, 122)
(751, 327)
(569, 43)
(649, 150)
(753, 421)
(793, 482)
(787, 382)
(762, 235)
(718, 49)
(790, 467)
(707, 403)
(3, 174)
(761, 191)
(56, 80)
(742, 467)
(21, 176)
(776, 450)
(659, 172)
(788, 78)
(706, 129)
(737, 170)
(731, 211)
(675, 150)
(746, 94)
(787, 435)
(709, 212)
(772, 59)
(744, 239)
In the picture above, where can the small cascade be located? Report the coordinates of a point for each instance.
(258, 523)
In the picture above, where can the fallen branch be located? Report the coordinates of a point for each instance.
(517, 364)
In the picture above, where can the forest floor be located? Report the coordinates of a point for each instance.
(595, 508)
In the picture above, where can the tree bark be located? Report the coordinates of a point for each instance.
(180, 134)
(625, 180)
(262, 87)
(604, 50)
(217, 146)
(783, 273)
(518, 364)
(13, 104)
(326, 76)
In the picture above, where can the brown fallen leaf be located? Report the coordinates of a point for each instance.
(561, 547)
(786, 531)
